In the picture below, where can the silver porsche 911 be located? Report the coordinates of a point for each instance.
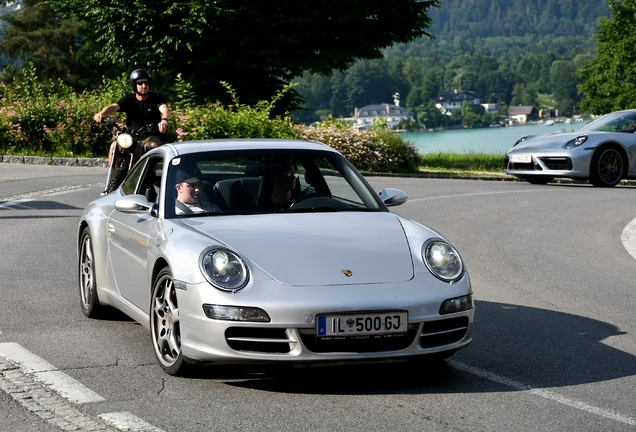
(603, 152)
(256, 251)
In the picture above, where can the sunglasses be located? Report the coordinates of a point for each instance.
(141, 83)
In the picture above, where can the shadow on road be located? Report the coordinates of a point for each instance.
(9, 211)
(537, 347)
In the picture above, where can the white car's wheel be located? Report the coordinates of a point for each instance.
(87, 285)
(164, 324)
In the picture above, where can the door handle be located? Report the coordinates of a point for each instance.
(111, 229)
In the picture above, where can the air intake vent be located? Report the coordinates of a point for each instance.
(443, 332)
(259, 340)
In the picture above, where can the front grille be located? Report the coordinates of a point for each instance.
(524, 166)
(358, 344)
(443, 332)
(557, 163)
(263, 340)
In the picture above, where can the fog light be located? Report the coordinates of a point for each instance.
(235, 313)
(456, 304)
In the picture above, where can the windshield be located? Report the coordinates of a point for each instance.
(614, 122)
(266, 181)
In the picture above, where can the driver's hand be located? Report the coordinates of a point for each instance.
(163, 126)
(98, 118)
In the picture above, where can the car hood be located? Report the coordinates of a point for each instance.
(557, 140)
(317, 248)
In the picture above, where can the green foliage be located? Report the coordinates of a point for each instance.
(609, 78)
(214, 120)
(46, 120)
(56, 121)
(257, 46)
(378, 150)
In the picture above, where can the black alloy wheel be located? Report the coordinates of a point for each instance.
(607, 167)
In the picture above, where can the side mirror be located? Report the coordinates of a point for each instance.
(134, 204)
(393, 197)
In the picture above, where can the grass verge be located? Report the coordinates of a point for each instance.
(475, 162)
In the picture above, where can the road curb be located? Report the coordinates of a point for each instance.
(40, 160)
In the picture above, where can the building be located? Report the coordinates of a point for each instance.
(448, 101)
(364, 117)
(523, 113)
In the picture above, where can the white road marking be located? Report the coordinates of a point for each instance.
(13, 203)
(21, 369)
(546, 394)
(47, 374)
(17, 199)
(128, 422)
(628, 237)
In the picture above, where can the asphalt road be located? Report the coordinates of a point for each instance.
(554, 348)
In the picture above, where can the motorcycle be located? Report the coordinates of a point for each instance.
(127, 151)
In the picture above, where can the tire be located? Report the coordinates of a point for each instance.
(538, 180)
(117, 176)
(606, 169)
(164, 325)
(89, 301)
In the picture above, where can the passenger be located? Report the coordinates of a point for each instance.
(284, 181)
(190, 196)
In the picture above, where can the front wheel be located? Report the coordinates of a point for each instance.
(87, 285)
(165, 326)
(606, 169)
(115, 177)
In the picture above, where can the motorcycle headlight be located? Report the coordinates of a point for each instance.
(124, 140)
(573, 143)
(224, 269)
(442, 260)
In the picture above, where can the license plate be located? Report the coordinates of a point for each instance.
(362, 324)
(522, 158)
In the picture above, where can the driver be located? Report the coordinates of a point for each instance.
(142, 107)
(190, 196)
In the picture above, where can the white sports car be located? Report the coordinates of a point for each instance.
(237, 251)
(603, 152)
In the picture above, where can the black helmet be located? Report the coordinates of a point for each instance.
(137, 74)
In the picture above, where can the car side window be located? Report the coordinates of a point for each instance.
(130, 184)
(151, 181)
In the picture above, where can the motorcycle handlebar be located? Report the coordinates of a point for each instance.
(149, 128)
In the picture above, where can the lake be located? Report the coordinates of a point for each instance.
(487, 140)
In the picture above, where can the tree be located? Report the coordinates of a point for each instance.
(35, 33)
(255, 45)
(563, 86)
(524, 95)
(609, 78)
(469, 117)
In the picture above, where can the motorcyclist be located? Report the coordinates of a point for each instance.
(142, 107)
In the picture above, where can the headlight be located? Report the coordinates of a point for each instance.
(224, 269)
(124, 140)
(442, 260)
(520, 140)
(573, 143)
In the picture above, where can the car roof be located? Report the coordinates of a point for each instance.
(198, 146)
